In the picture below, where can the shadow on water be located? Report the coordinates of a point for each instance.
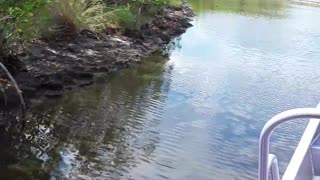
(97, 131)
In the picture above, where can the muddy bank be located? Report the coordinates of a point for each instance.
(48, 68)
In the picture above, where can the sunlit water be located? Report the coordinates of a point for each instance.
(197, 115)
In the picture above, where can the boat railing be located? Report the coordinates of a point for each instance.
(300, 163)
(273, 167)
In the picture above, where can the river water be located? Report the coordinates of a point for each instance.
(194, 115)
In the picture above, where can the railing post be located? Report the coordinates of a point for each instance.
(274, 167)
(270, 126)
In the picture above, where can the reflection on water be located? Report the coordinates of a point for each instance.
(195, 116)
(272, 8)
(98, 131)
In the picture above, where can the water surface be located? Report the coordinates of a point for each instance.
(194, 115)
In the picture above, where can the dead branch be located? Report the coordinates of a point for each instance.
(13, 81)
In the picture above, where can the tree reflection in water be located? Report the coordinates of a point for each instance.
(269, 8)
(96, 131)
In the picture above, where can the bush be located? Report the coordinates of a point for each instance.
(19, 19)
(16, 22)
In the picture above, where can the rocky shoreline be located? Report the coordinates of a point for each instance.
(48, 68)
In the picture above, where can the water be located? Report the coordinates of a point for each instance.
(196, 115)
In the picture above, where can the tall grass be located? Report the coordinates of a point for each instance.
(33, 17)
(99, 15)
(92, 15)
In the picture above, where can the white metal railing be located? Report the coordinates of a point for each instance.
(273, 167)
(301, 166)
(267, 161)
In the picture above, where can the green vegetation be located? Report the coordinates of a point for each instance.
(32, 18)
(17, 19)
(21, 20)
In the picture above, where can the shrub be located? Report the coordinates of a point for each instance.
(16, 22)
(19, 19)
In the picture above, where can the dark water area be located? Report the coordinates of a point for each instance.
(194, 115)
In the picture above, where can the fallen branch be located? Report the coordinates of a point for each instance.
(19, 92)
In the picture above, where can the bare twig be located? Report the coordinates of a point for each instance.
(13, 81)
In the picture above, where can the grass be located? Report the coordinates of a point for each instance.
(42, 17)
(175, 3)
(98, 15)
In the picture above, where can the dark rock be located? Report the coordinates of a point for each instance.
(122, 64)
(50, 67)
(10, 98)
(83, 83)
(99, 69)
(37, 52)
(68, 80)
(52, 85)
(89, 34)
(87, 43)
(178, 31)
(53, 94)
(80, 75)
(74, 48)
(78, 68)
(13, 64)
(28, 91)
(165, 37)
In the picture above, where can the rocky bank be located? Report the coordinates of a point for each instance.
(46, 69)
